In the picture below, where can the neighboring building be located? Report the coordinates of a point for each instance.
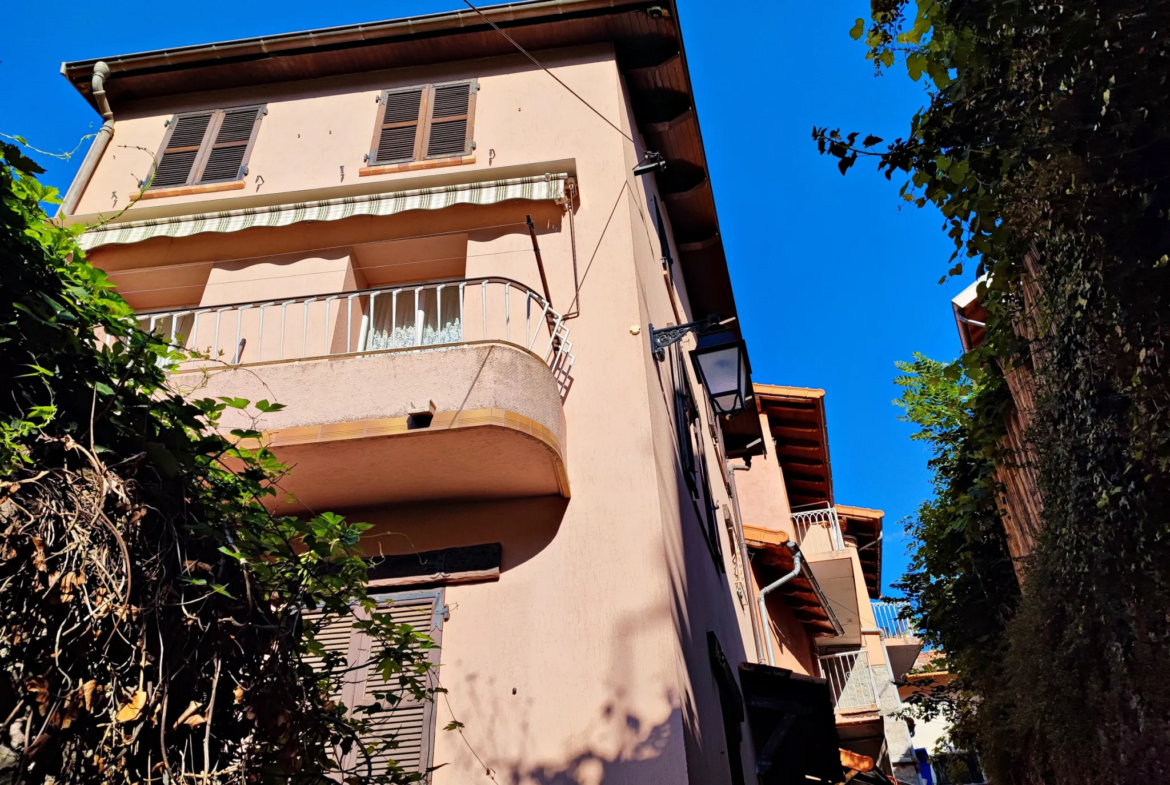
(939, 762)
(445, 266)
(788, 495)
(1020, 502)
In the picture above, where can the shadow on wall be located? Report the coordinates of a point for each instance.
(603, 713)
(639, 763)
(524, 527)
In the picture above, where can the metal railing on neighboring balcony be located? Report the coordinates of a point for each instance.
(818, 531)
(404, 316)
(850, 680)
(889, 621)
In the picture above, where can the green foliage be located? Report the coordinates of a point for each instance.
(152, 611)
(1044, 145)
(960, 581)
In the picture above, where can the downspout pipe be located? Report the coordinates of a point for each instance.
(101, 72)
(797, 557)
(745, 564)
(876, 540)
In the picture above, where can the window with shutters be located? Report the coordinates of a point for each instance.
(693, 458)
(207, 147)
(411, 722)
(424, 122)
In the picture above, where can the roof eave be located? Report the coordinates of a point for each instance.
(78, 72)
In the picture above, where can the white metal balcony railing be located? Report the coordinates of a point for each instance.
(850, 680)
(818, 531)
(886, 614)
(408, 316)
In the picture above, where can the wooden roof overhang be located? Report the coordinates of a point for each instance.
(802, 594)
(796, 420)
(866, 526)
(970, 316)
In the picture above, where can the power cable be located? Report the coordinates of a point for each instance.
(541, 66)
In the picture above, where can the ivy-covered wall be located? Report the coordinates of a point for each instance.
(1045, 146)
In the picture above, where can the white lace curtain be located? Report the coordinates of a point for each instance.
(415, 317)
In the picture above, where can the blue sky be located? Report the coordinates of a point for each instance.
(835, 277)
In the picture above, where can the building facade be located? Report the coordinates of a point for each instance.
(448, 267)
(1020, 503)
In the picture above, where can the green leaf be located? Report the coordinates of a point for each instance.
(235, 403)
(219, 588)
(857, 30)
(915, 64)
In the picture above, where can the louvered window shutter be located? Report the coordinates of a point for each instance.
(235, 131)
(207, 147)
(395, 138)
(181, 149)
(410, 722)
(334, 636)
(337, 635)
(452, 112)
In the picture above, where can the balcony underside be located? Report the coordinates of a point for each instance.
(903, 651)
(834, 573)
(477, 454)
(349, 434)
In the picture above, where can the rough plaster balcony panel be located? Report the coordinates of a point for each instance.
(498, 430)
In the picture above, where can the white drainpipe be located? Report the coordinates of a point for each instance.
(764, 592)
(101, 72)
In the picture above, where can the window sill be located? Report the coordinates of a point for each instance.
(188, 190)
(414, 166)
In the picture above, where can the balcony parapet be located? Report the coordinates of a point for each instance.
(887, 614)
(851, 682)
(818, 531)
(406, 317)
(438, 391)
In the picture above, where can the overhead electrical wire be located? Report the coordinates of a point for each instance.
(541, 66)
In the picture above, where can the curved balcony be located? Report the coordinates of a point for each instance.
(409, 393)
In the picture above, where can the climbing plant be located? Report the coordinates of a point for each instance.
(1044, 145)
(157, 623)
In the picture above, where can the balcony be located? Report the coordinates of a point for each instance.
(439, 390)
(851, 682)
(818, 533)
(898, 635)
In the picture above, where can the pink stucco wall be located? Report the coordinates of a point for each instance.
(587, 660)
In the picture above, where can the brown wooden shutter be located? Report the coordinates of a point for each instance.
(235, 131)
(450, 126)
(396, 136)
(411, 722)
(180, 150)
(335, 636)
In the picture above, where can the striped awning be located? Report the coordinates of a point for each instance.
(538, 188)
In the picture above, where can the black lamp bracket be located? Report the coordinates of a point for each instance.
(652, 162)
(669, 336)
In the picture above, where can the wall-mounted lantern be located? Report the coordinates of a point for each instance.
(720, 360)
(722, 364)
